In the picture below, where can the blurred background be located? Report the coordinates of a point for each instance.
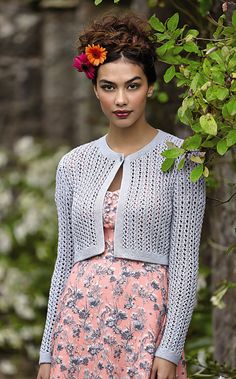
(46, 109)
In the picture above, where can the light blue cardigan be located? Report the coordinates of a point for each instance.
(159, 219)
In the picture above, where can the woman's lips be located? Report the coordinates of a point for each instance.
(122, 114)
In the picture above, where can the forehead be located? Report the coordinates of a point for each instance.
(119, 71)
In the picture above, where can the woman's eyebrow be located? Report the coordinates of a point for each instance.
(128, 81)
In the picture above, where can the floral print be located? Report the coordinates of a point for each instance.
(111, 314)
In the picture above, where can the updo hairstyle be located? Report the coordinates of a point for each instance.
(126, 35)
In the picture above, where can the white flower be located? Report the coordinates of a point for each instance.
(5, 199)
(20, 232)
(5, 242)
(41, 173)
(40, 301)
(29, 332)
(14, 178)
(23, 308)
(26, 148)
(7, 367)
(10, 337)
(202, 357)
(201, 282)
(23, 144)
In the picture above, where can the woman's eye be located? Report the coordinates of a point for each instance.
(107, 87)
(134, 85)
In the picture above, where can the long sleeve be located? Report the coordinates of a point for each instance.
(64, 260)
(186, 224)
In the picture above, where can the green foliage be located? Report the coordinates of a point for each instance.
(28, 242)
(206, 71)
(206, 367)
(217, 297)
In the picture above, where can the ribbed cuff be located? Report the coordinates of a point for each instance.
(44, 357)
(167, 354)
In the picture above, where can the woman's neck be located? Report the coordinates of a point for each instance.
(129, 141)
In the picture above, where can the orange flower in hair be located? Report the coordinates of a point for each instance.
(96, 54)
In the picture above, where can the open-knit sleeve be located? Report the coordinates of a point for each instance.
(65, 253)
(186, 224)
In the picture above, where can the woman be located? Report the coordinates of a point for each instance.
(124, 283)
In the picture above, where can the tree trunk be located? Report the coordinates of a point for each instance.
(222, 235)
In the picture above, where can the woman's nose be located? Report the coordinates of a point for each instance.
(121, 98)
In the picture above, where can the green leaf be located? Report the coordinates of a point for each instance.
(177, 49)
(169, 58)
(218, 76)
(218, 31)
(209, 143)
(206, 67)
(204, 6)
(233, 86)
(231, 138)
(172, 23)
(211, 93)
(208, 124)
(196, 172)
(194, 82)
(221, 19)
(222, 93)
(162, 49)
(97, 2)
(192, 142)
(173, 153)
(225, 112)
(197, 159)
(234, 19)
(160, 36)
(156, 24)
(193, 32)
(206, 85)
(225, 51)
(184, 116)
(215, 55)
(177, 32)
(191, 47)
(221, 147)
(206, 171)
(232, 63)
(231, 106)
(162, 97)
(169, 74)
(181, 163)
(168, 162)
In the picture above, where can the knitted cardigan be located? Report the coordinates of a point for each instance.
(159, 220)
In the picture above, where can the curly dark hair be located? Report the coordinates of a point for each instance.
(127, 34)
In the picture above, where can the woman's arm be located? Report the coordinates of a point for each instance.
(188, 211)
(65, 253)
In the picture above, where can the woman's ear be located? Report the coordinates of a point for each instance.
(150, 90)
(95, 91)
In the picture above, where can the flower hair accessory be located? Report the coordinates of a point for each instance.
(94, 55)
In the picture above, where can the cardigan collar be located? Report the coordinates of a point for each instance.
(108, 152)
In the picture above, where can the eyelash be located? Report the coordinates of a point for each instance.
(105, 86)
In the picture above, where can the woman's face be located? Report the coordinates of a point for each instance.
(122, 86)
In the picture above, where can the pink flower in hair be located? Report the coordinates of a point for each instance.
(81, 63)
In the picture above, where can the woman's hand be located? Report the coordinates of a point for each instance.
(163, 369)
(44, 371)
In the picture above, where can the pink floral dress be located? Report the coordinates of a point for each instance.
(111, 314)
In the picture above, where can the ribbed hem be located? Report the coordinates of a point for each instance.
(169, 355)
(44, 357)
